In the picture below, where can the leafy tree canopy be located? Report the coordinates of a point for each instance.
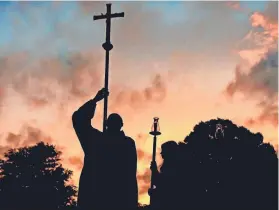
(33, 178)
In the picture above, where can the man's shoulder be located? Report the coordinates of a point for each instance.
(130, 141)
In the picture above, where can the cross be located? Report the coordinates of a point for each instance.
(107, 47)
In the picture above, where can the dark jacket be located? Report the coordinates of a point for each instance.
(108, 178)
(167, 186)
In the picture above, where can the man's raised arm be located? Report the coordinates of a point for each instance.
(82, 120)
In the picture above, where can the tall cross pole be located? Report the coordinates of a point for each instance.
(107, 47)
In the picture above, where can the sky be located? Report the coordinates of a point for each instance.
(184, 62)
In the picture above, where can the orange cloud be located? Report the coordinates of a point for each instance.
(91, 7)
(260, 77)
(138, 99)
(1, 92)
(234, 5)
(270, 28)
(262, 42)
(144, 181)
(269, 113)
(142, 155)
(3, 150)
(13, 139)
(27, 136)
(76, 77)
(76, 161)
(261, 81)
(37, 102)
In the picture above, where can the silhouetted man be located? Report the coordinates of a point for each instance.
(166, 191)
(108, 179)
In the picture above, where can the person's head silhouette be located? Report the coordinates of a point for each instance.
(169, 149)
(114, 123)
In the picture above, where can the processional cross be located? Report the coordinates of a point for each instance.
(107, 47)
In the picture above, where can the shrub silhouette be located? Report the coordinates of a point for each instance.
(223, 166)
(32, 178)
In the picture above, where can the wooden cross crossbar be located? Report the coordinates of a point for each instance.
(108, 15)
(107, 47)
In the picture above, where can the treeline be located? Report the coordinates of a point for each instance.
(218, 166)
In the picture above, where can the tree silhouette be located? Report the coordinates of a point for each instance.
(223, 166)
(33, 178)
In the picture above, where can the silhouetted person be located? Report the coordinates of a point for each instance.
(165, 180)
(108, 179)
